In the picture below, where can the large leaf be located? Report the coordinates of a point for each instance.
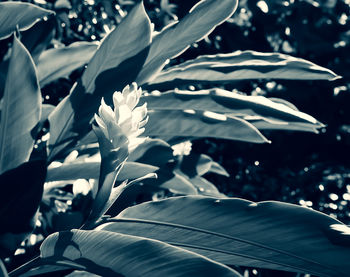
(242, 65)
(17, 13)
(109, 254)
(91, 170)
(21, 109)
(268, 234)
(60, 62)
(179, 123)
(116, 63)
(223, 101)
(175, 39)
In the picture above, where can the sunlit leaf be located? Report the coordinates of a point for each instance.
(233, 231)
(110, 254)
(263, 124)
(46, 109)
(91, 170)
(115, 64)
(3, 271)
(17, 13)
(175, 39)
(60, 62)
(179, 123)
(21, 109)
(223, 101)
(242, 65)
(284, 102)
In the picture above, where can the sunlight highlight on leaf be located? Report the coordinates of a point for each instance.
(345, 230)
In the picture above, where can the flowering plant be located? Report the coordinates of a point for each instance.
(70, 165)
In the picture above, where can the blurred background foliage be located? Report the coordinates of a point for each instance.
(304, 168)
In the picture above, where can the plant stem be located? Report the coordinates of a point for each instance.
(3, 272)
(26, 267)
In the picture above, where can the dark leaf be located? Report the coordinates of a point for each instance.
(38, 37)
(195, 164)
(180, 185)
(152, 151)
(21, 192)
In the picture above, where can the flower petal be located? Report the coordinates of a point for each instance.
(106, 112)
(124, 114)
(102, 125)
(118, 99)
(125, 123)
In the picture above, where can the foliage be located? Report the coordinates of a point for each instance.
(70, 165)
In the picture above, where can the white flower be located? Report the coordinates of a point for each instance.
(125, 123)
(183, 148)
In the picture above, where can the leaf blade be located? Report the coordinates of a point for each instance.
(231, 103)
(60, 62)
(178, 123)
(121, 54)
(235, 231)
(22, 109)
(172, 41)
(243, 65)
(91, 170)
(103, 252)
(24, 15)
